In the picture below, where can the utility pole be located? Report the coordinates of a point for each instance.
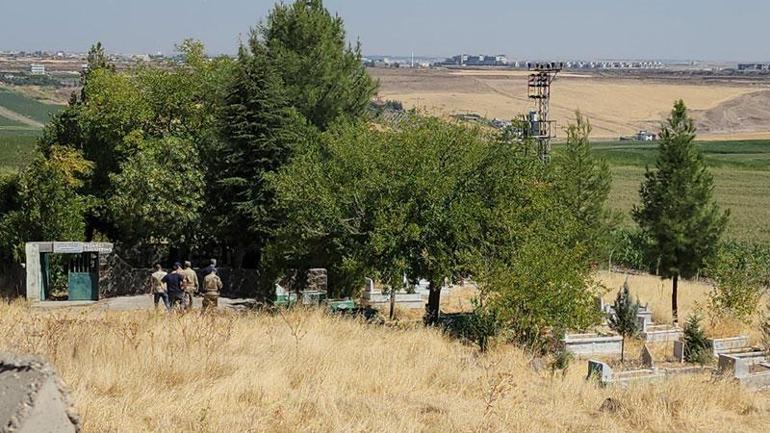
(539, 89)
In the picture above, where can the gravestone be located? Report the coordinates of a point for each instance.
(317, 280)
(599, 370)
(646, 357)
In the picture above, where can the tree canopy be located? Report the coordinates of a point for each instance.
(678, 211)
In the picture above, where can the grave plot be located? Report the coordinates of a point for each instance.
(593, 344)
(374, 297)
(750, 369)
(651, 331)
(649, 370)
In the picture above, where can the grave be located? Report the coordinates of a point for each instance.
(661, 333)
(32, 398)
(750, 369)
(606, 376)
(374, 297)
(730, 345)
(593, 344)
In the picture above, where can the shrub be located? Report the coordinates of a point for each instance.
(738, 277)
(697, 347)
(624, 320)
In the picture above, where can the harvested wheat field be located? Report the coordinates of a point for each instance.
(616, 106)
(308, 371)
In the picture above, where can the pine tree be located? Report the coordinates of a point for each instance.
(583, 184)
(325, 78)
(259, 129)
(624, 320)
(696, 345)
(678, 211)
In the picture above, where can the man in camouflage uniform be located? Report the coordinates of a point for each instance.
(190, 284)
(158, 287)
(212, 285)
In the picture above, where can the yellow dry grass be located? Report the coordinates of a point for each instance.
(308, 371)
(615, 106)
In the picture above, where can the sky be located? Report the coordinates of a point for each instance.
(726, 30)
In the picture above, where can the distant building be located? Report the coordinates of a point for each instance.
(646, 136)
(37, 69)
(754, 66)
(477, 60)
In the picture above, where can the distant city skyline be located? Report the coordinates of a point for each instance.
(709, 30)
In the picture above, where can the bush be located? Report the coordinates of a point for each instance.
(738, 277)
(697, 347)
(478, 327)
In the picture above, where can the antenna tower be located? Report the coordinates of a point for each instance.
(539, 89)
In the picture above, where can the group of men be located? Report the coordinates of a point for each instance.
(177, 288)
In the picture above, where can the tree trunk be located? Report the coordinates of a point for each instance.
(434, 299)
(392, 302)
(674, 306)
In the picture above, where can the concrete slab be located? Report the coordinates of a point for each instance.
(593, 344)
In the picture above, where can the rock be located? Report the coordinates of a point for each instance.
(610, 405)
(32, 398)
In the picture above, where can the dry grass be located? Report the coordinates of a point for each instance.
(307, 371)
(615, 106)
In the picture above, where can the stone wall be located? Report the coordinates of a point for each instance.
(120, 279)
(12, 280)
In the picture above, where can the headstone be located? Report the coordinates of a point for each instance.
(599, 370)
(679, 351)
(646, 357)
(370, 289)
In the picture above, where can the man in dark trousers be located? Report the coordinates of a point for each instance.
(174, 281)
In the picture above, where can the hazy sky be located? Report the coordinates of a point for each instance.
(670, 29)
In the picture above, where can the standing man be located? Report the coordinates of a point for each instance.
(190, 284)
(212, 285)
(174, 281)
(212, 267)
(158, 287)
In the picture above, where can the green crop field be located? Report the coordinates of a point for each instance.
(27, 106)
(16, 150)
(9, 123)
(742, 181)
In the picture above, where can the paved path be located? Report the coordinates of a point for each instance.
(141, 302)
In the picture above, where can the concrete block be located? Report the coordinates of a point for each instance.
(599, 370)
(32, 398)
(593, 344)
(727, 345)
(34, 276)
(662, 333)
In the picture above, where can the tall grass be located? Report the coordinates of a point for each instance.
(308, 371)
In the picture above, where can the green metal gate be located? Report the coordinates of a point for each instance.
(83, 277)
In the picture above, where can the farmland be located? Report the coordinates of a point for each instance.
(742, 177)
(725, 108)
(17, 109)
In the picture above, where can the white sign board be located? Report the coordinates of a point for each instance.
(68, 247)
(97, 247)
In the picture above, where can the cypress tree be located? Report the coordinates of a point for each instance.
(324, 77)
(623, 320)
(258, 131)
(678, 211)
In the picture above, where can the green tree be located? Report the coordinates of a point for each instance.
(158, 194)
(433, 199)
(678, 211)
(624, 319)
(258, 131)
(42, 203)
(583, 183)
(738, 282)
(325, 78)
(697, 347)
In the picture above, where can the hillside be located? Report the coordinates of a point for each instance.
(308, 371)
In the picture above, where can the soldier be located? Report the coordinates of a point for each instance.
(158, 287)
(212, 285)
(190, 284)
(174, 281)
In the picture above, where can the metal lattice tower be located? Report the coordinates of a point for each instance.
(539, 89)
